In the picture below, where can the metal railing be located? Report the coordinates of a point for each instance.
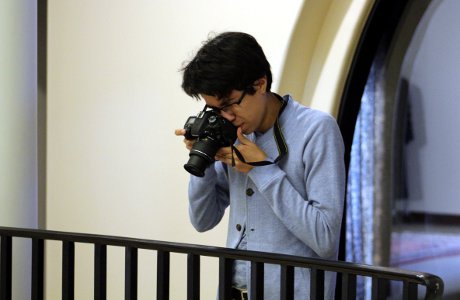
(381, 276)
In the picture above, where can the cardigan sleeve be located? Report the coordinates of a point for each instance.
(208, 197)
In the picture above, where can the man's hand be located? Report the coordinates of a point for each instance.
(250, 151)
(188, 143)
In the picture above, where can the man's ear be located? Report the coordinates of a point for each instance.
(260, 85)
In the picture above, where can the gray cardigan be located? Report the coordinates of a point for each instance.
(292, 207)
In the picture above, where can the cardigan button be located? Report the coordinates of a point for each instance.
(238, 227)
(249, 192)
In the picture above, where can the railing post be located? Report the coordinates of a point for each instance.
(100, 272)
(193, 277)
(410, 290)
(225, 278)
(287, 282)
(379, 288)
(257, 280)
(68, 270)
(348, 286)
(38, 259)
(317, 284)
(163, 259)
(130, 273)
(6, 267)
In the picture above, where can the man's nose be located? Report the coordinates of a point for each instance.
(228, 115)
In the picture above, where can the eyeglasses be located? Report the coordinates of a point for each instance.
(227, 107)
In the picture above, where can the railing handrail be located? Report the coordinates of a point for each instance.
(433, 283)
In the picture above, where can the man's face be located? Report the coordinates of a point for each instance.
(240, 108)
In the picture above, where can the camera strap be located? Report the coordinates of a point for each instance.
(279, 139)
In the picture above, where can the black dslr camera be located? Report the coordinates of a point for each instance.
(211, 132)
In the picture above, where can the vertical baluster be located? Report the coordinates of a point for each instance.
(410, 290)
(163, 259)
(287, 282)
(225, 278)
(379, 288)
(38, 259)
(348, 286)
(6, 267)
(257, 280)
(375, 288)
(130, 273)
(68, 270)
(100, 272)
(317, 284)
(193, 277)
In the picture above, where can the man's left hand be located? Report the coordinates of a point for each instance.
(250, 151)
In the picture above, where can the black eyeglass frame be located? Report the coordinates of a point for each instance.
(227, 106)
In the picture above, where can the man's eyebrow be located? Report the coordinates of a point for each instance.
(225, 102)
(227, 99)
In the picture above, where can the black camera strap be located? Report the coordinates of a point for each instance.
(279, 139)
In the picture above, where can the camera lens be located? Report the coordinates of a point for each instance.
(201, 156)
(196, 165)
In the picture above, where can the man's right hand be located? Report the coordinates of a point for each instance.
(188, 143)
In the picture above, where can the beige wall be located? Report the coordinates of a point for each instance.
(114, 165)
(114, 100)
(18, 162)
(321, 51)
(18, 91)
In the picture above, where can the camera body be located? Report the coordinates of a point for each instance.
(211, 132)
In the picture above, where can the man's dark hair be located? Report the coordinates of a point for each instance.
(229, 61)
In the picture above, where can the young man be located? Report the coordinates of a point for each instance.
(292, 202)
